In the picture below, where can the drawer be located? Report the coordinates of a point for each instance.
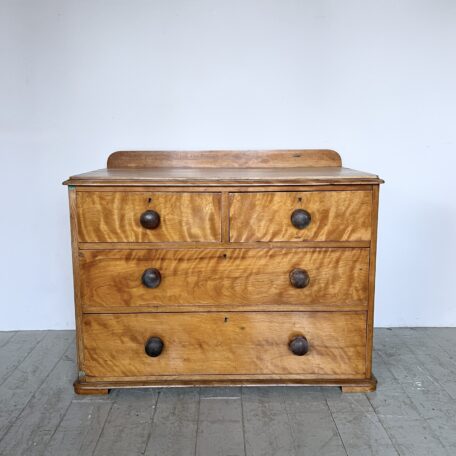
(337, 277)
(120, 216)
(317, 216)
(225, 343)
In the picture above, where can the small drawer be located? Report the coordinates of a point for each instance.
(300, 216)
(149, 345)
(148, 217)
(304, 278)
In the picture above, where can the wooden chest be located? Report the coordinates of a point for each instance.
(224, 268)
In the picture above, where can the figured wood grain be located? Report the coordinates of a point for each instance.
(265, 216)
(224, 159)
(338, 277)
(219, 343)
(225, 246)
(114, 216)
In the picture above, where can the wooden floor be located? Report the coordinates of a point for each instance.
(413, 411)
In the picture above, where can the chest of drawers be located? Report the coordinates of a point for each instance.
(224, 268)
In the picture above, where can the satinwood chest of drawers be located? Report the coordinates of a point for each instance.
(224, 268)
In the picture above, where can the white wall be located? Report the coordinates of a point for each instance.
(373, 79)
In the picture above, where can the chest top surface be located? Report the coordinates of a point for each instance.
(215, 168)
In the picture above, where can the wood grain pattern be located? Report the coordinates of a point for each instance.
(336, 216)
(224, 245)
(224, 159)
(72, 198)
(114, 216)
(193, 380)
(225, 248)
(218, 343)
(372, 266)
(338, 277)
(222, 188)
(223, 177)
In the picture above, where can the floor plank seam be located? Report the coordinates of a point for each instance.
(285, 408)
(337, 428)
(56, 427)
(382, 425)
(102, 429)
(243, 420)
(152, 421)
(197, 421)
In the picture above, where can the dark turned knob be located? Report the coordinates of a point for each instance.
(154, 346)
(151, 278)
(300, 218)
(150, 219)
(299, 346)
(299, 278)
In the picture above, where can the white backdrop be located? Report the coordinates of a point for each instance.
(372, 79)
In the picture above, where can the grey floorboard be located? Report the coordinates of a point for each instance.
(15, 349)
(363, 434)
(412, 413)
(19, 387)
(31, 431)
(438, 356)
(175, 423)
(266, 424)
(431, 400)
(5, 336)
(312, 427)
(128, 426)
(409, 432)
(220, 430)
(80, 429)
(359, 427)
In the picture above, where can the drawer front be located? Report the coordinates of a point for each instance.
(225, 343)
(320, 216)
(336, 277)
(116, 217)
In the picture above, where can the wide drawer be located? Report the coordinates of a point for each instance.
(337, 277)
(225, 343)
(116, 216)
(300, 216)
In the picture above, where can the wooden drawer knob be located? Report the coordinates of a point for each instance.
(299, 345)
(151, 278)
(299, 278)
(154, 346)
(300, 218)
(150, 219)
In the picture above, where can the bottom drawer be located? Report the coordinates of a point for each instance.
(231, 343)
